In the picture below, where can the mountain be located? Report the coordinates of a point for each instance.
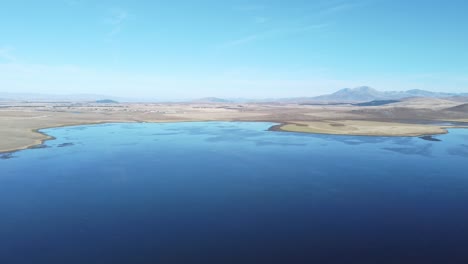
(423, 93)
(365, 94)
(211, 100)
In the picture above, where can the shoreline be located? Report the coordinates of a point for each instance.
(276, 128)
(47, 137)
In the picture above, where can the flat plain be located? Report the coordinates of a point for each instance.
(20, 121)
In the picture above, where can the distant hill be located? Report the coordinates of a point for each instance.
(211, 100)
(365, 93)
(37, 97)
(459, 108)
(106, 101)
(423, 93)
(458, 98)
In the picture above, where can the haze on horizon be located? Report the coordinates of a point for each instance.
(256, 49)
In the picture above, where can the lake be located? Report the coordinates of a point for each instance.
(233, 192)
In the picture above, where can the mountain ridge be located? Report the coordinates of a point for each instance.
(366, 93)
(346, 95)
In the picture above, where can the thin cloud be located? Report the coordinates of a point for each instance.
(311, 27)
(338, 7)
(246, 39)
(273, 33)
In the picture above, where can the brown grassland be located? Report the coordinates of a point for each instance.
(20, 121)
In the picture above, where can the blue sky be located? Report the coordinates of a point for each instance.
(261, 49)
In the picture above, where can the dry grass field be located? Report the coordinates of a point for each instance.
(19, 121)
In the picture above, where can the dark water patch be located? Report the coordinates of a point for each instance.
(351, 140)
(77, 128)
(425, 150)
(188, 130)
(276, 143)
(360, 140)
(356, 140)
(430, 138)
(233, 135)
(8, 155)
(223, 138)
(166, 134)
(223, 126)
(123, 144)
(40, 146)
(67, 144)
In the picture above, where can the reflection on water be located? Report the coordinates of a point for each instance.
(219, 192)
(423, 150)
(430, 138)
(66, 144)
(6, 156)
(461, 150)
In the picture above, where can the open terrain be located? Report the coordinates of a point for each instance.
(20, 121)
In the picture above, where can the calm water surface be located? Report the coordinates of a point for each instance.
(221, 192)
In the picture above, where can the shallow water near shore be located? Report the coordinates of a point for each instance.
(233, 192)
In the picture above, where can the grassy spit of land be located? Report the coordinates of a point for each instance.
(362, 128)
(20, 122)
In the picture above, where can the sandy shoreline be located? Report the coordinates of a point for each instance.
(45, 137)
(20, 123)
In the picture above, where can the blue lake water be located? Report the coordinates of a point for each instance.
(227, 192)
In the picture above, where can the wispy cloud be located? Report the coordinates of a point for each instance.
(274, 33)
(339, 6)
(293, 20)
(116, 20)
(247, 39)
